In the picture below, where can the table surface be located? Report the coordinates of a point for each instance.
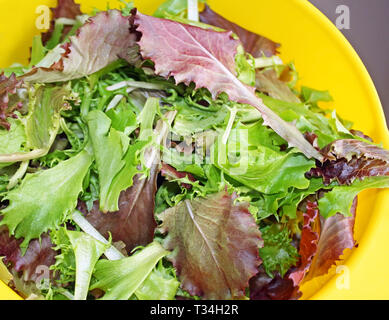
(369, 35)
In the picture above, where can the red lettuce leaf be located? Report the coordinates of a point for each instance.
(253, 43)
(8, 99)
(207, 58)
(336, 235)
(64, 9)
(308, 242)
(134, 223)
(262, 287)
(171, 173)
(100, 41)
(350, 159)
(39, 253)
(215, 245)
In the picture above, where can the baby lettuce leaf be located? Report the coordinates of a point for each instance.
(39, 253)
(340, 198)
(41, 123)
(277, 254)
(306, 120)
(100, 41)
(43, 119)
(253, 43)
(355, 165)
(259, 166)
(215, 245)
(350, 159)
(120, 279)
(207, 58)
(159, 285)
(13, 140)
(308, 242)
(8, 99)
(87, 251)
(110, 147)
(336, 235)
(134, 222)
(172, 174)
(44, 199)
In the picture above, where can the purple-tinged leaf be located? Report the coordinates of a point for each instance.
(308, 242)
(336, 235)
(8, 99)
(350, 159)
(253, 43)
(100, 41)
(207, 58)
(215, 245)
(39, 253)
(262, 287)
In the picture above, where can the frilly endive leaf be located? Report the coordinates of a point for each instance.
(44, 199)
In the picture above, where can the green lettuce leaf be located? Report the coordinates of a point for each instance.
(307, 120)
(340, 198)
(12, 140)
(44, 199)
(87, 251)
(121, 278)
(41, 124)
(123, 118)
(277, 254)
(110, 147)
(259, 166)
(159, 285)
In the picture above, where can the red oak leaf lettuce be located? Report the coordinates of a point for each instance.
(171, 173)
(253, 43)
(134, 223)
(207, 58)
(336, 235)
(350, 159)
(262, 287)
(8, 99)
(39, 253)
(98, 42)
(308, 243)
(215, 245)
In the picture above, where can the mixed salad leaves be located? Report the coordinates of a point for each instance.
(171, 157)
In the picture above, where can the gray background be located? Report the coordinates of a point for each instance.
(369, 35)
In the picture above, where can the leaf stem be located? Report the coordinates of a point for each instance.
(18, 174)
(111, 253)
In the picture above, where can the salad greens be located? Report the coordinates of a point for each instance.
(171, 156)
